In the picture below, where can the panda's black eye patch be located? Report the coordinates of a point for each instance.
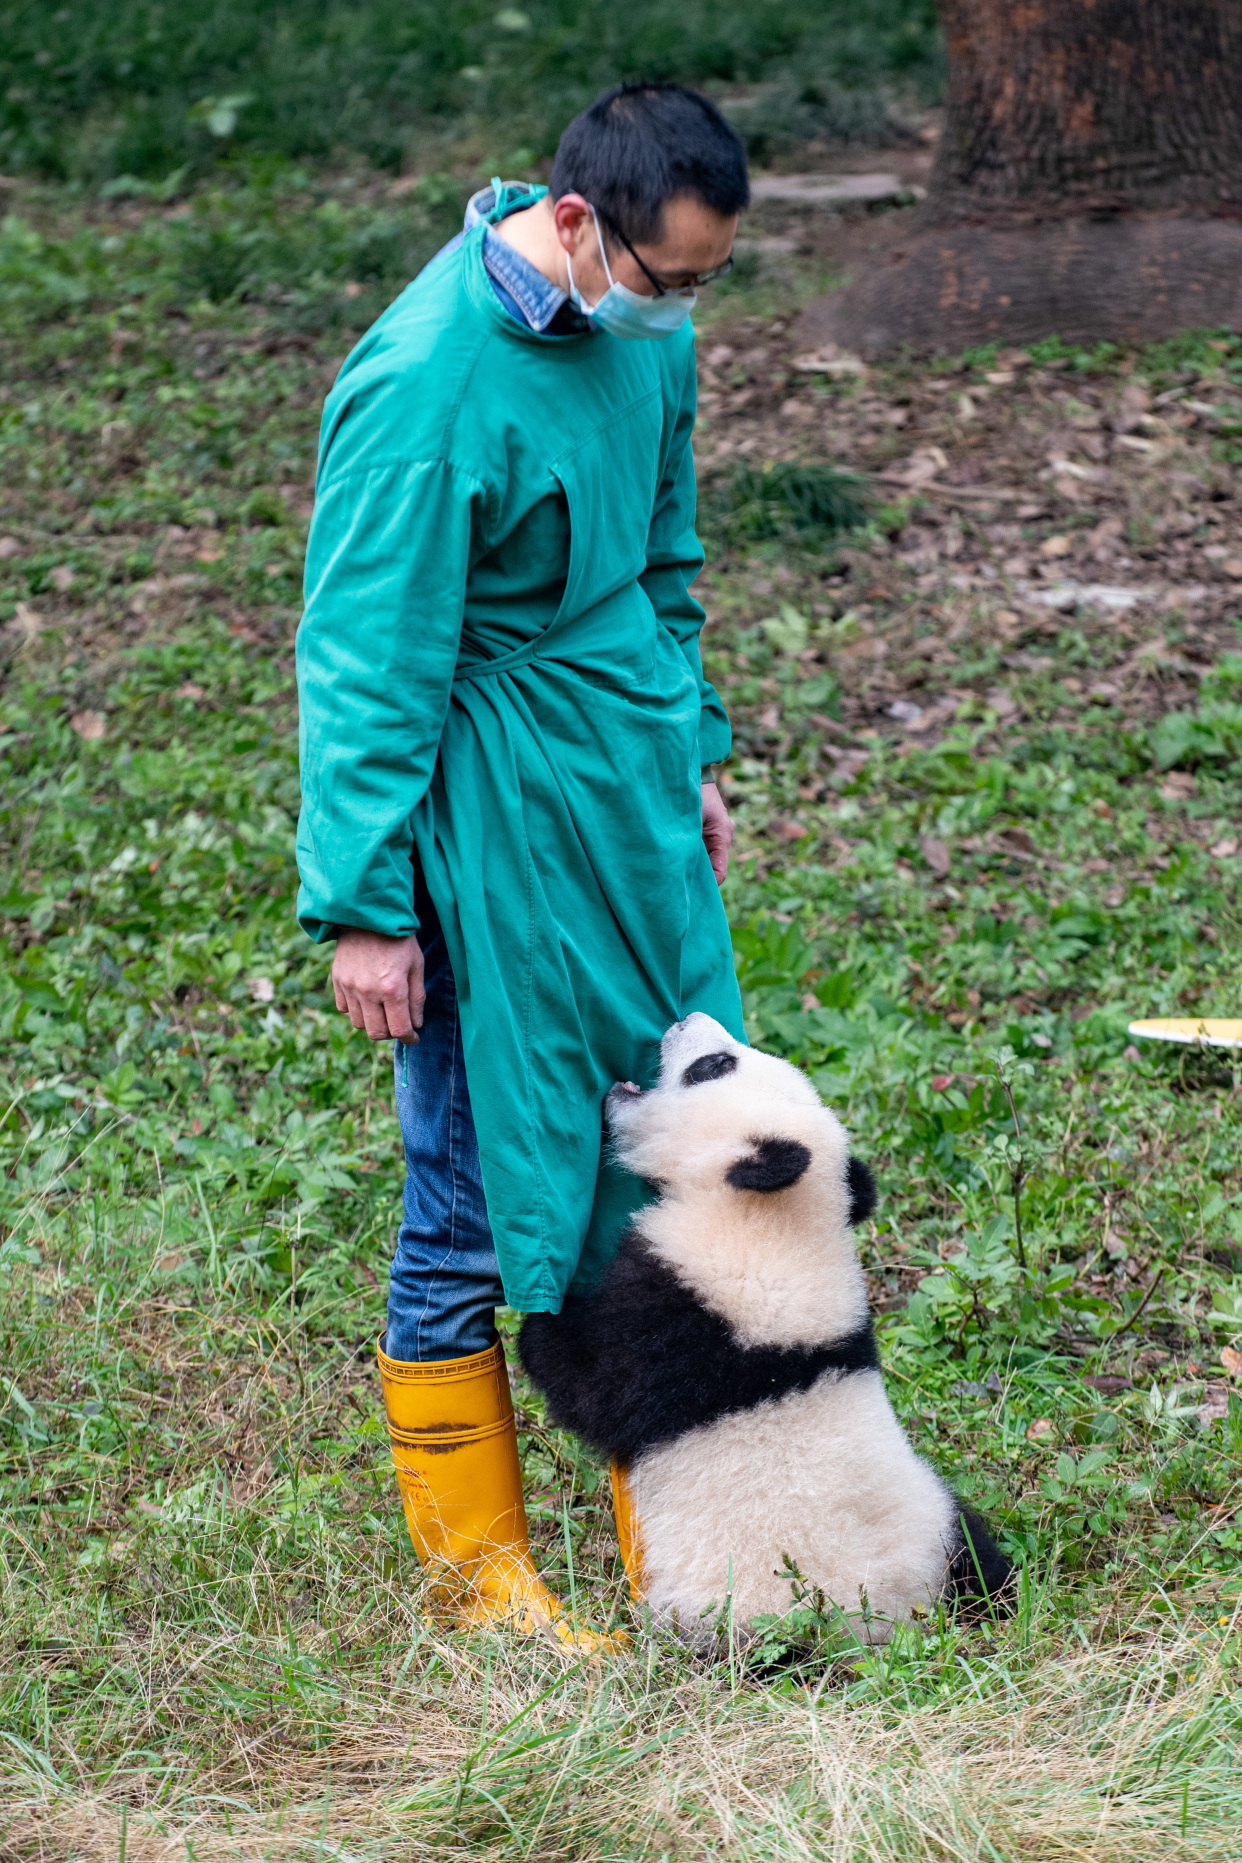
(774, 1164)
(708, 1067)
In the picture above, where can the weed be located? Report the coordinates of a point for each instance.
(810, 502)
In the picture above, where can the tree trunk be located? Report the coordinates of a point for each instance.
(1088, 182)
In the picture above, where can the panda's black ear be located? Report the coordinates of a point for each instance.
(862, 1191)
(774, 1164)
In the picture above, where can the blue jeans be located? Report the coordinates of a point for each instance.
(444, 1285)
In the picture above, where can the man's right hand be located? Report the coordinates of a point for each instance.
(379, 983)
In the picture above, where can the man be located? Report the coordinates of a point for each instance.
(509, 822)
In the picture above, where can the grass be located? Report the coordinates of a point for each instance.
(211, 1635)
(102, 92)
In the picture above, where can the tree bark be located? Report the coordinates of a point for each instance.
(1096, 104)
(1088, 182)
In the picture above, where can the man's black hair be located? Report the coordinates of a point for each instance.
(640, 144)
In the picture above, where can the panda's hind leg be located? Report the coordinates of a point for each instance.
(980, 1580)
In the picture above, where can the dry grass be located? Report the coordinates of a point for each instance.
(1107, 1755)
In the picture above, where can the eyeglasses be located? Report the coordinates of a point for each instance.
(662, 290)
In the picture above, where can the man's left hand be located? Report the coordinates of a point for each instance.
(717, 831)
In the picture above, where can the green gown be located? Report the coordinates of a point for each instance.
(499, 679)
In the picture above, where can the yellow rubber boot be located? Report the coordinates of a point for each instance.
(454, 1443)
(629, 1538)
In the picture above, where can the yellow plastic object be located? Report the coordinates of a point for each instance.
(629, 1538)
(1195, 1030)
(454, 1443)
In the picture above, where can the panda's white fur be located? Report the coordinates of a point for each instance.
(744, 1272)
(782, 1270)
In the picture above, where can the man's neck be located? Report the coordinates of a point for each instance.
(532, 232)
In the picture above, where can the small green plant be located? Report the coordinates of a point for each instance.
(1188, 739)
(1013, 1152)
(809, 502)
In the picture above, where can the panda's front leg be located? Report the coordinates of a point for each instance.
(593, 1360)
(556, 1354)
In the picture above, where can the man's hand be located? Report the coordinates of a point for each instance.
(717, 831)
(379, 983)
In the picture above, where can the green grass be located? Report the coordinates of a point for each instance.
(96, 92)
(211, 1633)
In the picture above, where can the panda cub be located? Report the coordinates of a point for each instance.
(726, 1362)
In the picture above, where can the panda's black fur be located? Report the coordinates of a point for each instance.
(643, 1361)
(640, 1361)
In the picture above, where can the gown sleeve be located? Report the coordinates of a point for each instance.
(674, 559)
(386, 566)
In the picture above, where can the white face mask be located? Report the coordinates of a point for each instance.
(623, 312)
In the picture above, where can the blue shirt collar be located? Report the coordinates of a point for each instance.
(535, 297)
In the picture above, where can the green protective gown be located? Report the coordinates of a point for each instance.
(499, 678)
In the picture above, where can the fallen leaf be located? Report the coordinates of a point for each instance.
(1178, 785)
(1135, 400)
(88, 725)
(1226, 849)
(1232, 1361)
(1216, 1406)
(208, 553)
(9, 546)
(262, 989)
(942, 1082)
(920, 469)
(1056, 546)
(1042, 1426)
(189, 691)
(939, 713)
(62, 577)
(792, 830)
(822, 362)
(1109, 1382)
(905, 710)
(936, 854)
(1232, 566)
(28, 619)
